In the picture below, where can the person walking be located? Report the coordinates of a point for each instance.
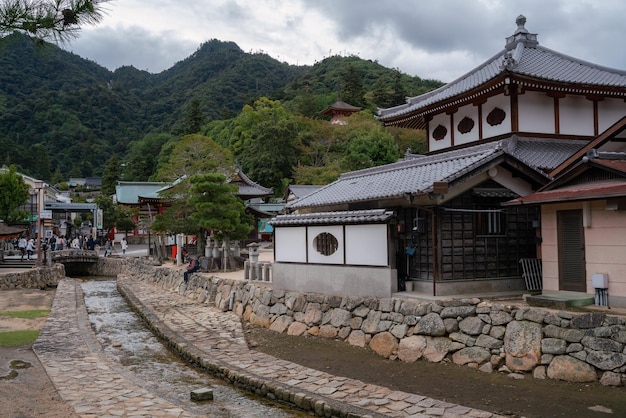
(107, 248)
(124, 245)
(22, 243)
(30, 247)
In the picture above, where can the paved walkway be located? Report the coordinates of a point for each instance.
(97, 387)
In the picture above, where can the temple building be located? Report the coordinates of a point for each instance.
(498, 133)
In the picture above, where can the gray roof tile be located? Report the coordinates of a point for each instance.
(333, 218)
(417, 175)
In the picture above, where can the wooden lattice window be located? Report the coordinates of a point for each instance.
(325, 243)
(490, 221)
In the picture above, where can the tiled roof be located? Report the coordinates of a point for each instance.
(523, 56)
(544, 154)
(129, 192)
(416, 176)
(247, 188)
(334, 218)
(340, 105)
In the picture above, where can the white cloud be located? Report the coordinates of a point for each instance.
(432, 39)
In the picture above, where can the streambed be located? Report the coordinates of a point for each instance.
(126, 340)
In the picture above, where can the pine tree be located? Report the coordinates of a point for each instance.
(218, 209)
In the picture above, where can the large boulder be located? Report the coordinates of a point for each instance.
(411, 348)
(522, 343)
(571, 370)
(384, 344)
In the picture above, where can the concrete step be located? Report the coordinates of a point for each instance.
(560, 300)
(16, 263)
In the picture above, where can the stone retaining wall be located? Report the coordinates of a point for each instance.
(35, 278)
(575, 347)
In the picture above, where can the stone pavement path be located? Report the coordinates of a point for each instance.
(73, 359)
(96, 387)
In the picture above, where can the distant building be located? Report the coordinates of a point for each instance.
(338, 111)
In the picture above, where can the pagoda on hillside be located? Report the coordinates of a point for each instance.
(338, 111)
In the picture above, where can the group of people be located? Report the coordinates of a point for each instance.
(79, 242)
(26, 247)
(109, 246)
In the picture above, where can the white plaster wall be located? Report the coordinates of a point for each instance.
(536, 112)
(440, 119)
(316, 257)
(366, 245)
(609, 112)
(576, 115)
(504, 103)
(605, 246)
(471, 112)
(335, 280)
(290, 244)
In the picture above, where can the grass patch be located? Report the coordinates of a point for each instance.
(31, 314)
(15, 338)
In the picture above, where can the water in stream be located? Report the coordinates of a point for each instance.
(127, 341)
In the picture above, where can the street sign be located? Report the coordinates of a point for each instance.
(45, 214)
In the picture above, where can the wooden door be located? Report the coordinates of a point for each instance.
(571, 242)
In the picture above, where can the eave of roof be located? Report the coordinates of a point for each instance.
(333, 218)
(578, 192)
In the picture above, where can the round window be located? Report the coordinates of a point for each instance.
(325, 243)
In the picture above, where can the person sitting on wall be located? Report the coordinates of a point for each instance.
(191, 268)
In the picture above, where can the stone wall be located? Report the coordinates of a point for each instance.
(35, 278)
(575, 347)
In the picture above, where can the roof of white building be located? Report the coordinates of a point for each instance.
(522, 56)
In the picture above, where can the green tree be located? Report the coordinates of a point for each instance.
(218, 209)
(125, 223)
(266, 138)
(353, 91)
(191, 155)
(194, 118)
(142, 157)
(13, 193)
(367, 143)
(57, 19)
(110, 176)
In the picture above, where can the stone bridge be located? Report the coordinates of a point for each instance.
(76, 262)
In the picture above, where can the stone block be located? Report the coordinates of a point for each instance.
(202, 394)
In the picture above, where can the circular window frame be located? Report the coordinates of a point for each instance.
(326, 244)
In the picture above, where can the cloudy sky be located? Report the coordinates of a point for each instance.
(438, 39)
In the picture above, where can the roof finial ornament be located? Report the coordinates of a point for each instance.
(521, 35)
(521, 21)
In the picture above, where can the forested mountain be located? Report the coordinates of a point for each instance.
(65, 115)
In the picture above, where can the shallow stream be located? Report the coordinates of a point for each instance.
(127, 341)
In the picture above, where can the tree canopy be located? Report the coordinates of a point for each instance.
(56, 19)
(217, 207)
(13, 193)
